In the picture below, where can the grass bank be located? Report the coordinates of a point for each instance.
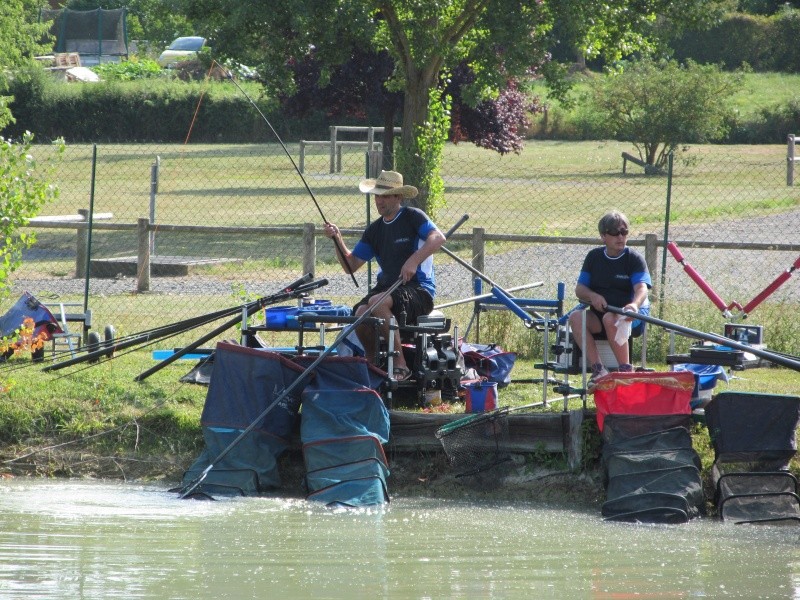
(97, 422)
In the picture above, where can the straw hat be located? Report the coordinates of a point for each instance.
(388, 182)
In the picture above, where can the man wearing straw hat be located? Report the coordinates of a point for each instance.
(402, 240)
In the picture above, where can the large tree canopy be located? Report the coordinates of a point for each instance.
(20, 40)
(499, 39)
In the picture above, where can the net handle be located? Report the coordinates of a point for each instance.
(484, 416)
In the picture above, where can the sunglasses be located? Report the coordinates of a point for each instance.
(616, 232)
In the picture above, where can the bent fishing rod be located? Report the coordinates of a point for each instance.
(187, 490)
(778, 359)
(336, 242)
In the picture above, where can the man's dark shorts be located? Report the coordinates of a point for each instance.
(409, 297)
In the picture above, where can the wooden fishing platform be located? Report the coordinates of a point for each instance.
(160, 266)
(528, 433)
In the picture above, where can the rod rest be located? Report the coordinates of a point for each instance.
(309, 318)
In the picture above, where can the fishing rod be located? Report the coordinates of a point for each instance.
(517, 288)
(104, 348)
(498, 292)
(181, 326)
(249, 308)
(711, 337)
(187, 490)
(336, 242)
(247, 311)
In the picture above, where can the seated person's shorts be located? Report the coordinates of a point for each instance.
(637, 326)
(409, 297)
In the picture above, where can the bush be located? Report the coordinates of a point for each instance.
(129, 70)
(152, 110)
(659, 106)
(784, 41)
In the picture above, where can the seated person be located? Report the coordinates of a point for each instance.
(402, 240)
(614, 275)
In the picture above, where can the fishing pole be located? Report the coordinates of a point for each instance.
(247, 311)
(187, 490)
(517, 288)
(181, 326)
(249, 308)
(710, 337)
(498, 292)
(336, 242)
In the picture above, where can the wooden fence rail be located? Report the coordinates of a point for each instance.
(309, 232)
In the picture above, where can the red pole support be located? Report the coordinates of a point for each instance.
(779, 280)
(695, 276)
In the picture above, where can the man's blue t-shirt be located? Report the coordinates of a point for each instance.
(391, 243)
(614, 278)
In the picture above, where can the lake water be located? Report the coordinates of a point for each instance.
(74, 539)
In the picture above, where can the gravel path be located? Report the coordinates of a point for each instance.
(735, 275)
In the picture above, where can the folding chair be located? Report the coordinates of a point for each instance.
(66, 338)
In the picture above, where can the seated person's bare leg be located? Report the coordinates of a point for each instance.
(366, 333)
(621, 351)
(593, 326)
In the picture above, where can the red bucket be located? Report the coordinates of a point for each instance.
(481, 396)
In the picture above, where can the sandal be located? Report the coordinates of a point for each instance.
(401, 373)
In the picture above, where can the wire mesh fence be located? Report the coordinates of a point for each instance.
(228, 223)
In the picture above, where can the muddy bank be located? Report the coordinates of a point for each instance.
(411, 475)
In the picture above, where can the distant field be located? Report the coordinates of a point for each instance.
(760, 90)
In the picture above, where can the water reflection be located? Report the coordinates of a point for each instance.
(68, 539)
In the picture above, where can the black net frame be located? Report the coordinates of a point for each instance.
(754, 438)
(476, 443)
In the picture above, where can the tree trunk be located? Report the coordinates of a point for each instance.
(415, 113)
(388, 137)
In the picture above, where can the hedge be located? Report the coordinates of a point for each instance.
(148, 111)
(765, 43)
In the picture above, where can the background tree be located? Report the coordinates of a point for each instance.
(501, 40)
(497, 124)
(24, 190)
(21, 38)
(660, 105)
(23, 186)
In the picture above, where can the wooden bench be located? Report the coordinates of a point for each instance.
(648, 169)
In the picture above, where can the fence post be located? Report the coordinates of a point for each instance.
(143, 255)
(154, 172)
(309, 248)
(651, 254)
(333, 149)
(374, 162)
(302, 156)
(478, 248)
(790, 161)
(82, 249)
